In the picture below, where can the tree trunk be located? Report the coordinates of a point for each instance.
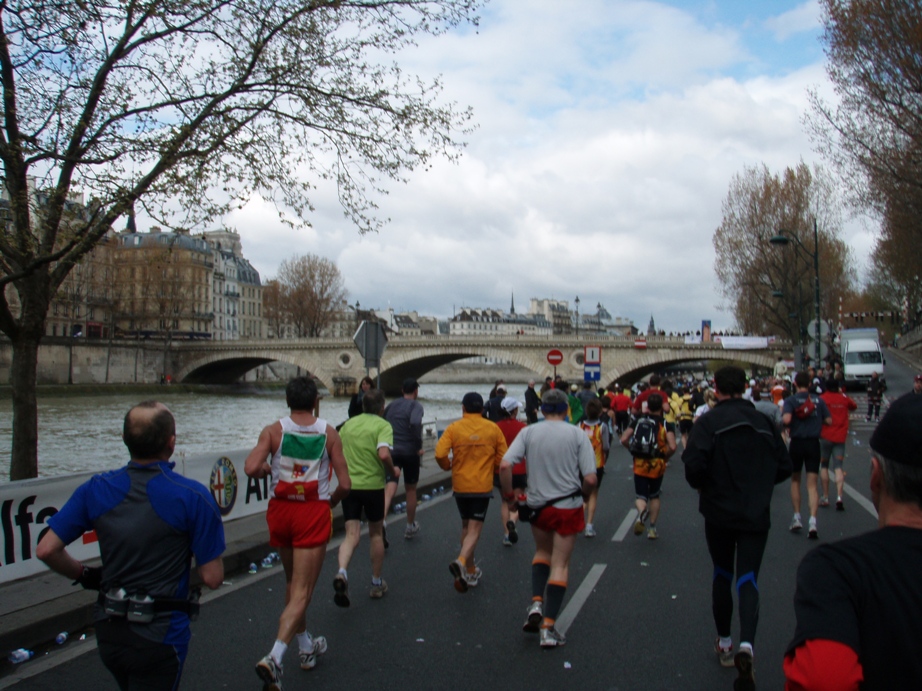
(24, 457)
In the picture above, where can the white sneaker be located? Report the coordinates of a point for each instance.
(551, 638)
(534, 617)
(411, 531)
(811, 532)
(796, 525)
(308, 658)
(270, 673)
(590, 530)
(473, 579)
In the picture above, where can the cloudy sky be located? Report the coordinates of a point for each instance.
(608, 132)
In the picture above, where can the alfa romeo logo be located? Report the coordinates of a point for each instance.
(223, 484)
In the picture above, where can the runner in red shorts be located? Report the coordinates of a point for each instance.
(558, 455)
(299, 453)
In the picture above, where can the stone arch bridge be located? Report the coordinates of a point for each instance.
(338, 365)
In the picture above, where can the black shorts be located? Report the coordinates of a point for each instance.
(369, 500)
(135, 661)
(685, 426)
(472, 508)
(805, 454)
(599, 474)
(647, 487)
(409, 468)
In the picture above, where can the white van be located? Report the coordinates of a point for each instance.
(861, 355)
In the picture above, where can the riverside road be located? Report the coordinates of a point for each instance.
(637, 614)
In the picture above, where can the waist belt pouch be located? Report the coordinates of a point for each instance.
(115, 603)
(141, 609)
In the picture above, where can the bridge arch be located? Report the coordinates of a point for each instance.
(221, 367)
(646, 362)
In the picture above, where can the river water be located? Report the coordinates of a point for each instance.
(79, 433)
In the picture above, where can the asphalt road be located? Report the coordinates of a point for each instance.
(637, 614)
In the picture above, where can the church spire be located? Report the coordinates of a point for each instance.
(512, 306)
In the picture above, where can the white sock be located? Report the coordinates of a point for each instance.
(305, 644)
(797, 515)
(342, 572)
(747, 647)
(725, 643)
(376, 581)
(278, 652)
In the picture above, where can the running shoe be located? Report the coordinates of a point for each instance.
(724, 655)
(377, 591)
(506, 541)
(551, 637)
(796, 525)
(411, 531)
(746, 680)
(341, 591)
(513, 536)
(652, 534)
(458, 571)
(270, 673)
(811, 531)
(590, 530)
(308, 658)
(534, 617)
(473, 579)
(639, 524)
(839, 505)
(824, 502)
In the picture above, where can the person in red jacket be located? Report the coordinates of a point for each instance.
(832, 440)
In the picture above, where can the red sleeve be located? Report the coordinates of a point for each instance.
(822, 665)
(851, 404)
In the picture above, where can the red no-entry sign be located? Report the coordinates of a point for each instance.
(554, 357)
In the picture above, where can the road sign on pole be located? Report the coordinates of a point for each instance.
(592, 373)
(371, 340)
(554, 357)
(592, 355)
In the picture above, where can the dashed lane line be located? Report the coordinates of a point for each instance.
(579, 598)
(625, 526)
(861, 500)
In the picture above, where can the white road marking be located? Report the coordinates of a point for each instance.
(625, 526)
(566, 617)
(863, 501)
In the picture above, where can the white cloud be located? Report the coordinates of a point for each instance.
(803, 18)
(608, 134)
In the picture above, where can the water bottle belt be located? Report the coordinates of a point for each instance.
(188, 606)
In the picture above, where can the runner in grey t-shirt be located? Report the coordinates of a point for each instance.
(556, 454)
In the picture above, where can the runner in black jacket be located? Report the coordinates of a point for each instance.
(734, 458)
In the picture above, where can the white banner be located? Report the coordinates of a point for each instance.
(742, 342)
(26, 506)
(692, 340)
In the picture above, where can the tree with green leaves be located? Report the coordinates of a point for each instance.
(770, 288)
(185, 109)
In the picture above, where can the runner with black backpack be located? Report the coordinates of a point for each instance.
(651, 441)
(804, 415)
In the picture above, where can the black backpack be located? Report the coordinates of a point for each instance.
(644, 441)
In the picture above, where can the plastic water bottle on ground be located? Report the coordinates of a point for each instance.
(21, 655)
(252, 568)
(61, 638)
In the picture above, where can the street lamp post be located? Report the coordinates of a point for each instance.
(784, 237)
(577, 315)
